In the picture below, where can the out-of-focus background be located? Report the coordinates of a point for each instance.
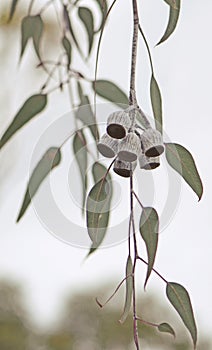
(47, 290)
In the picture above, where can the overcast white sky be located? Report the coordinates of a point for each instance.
(47, 267)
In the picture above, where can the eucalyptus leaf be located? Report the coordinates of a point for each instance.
(69, 28)
(166, 328)
(67, 46)
(13, 8)
(181, 160)
(49, 161)
(149, 226)
(103, 8)
(81, 155)
(87, 19)
(99, 171)
(86, 115)
(174, 13)
(156, 101)
(179, 298)
(98, 211)
(110, 92)
(31, 27)
(33, 105)
(129, 290)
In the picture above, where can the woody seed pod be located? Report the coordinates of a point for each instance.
(152, 142)
(148, 163)
(108, 146)
(123, 168)
(118, 124)
(129, 147)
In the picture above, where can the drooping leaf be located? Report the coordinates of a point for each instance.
(33, 105)
(80, 91)
(69, 28)
(87, 19)
(149, 225)
(174, 13)
(110, 92)
(103, 8)
(31, 27)
(181, 160)
(49, 161)
(179, 298)
(171, 3)
(12, 9)
(98, 211)
(166, 328)
(80, 152)
(86, 115)
(156, 104)
(67, 46)
(129, 290)
(99, 171)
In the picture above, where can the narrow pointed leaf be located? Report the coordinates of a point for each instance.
(86, 115)
(87, 19)
(67, 46)
(103, 8)
(99, 171)
(179, 298)
(33, 105)
(156, 104)
(110, 92)
(69, 28)
(80, 91)
(172, 3)
(129, 290)
(13, 8)
(98, 211)
(31, 27)
(149, 225)
(49, 161)
(174, 13)
(166, 328)
(80, 152)
(181, 160)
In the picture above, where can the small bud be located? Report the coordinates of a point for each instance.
(129, 147)
(148, 163)
(123, 168)
(152, 142)
(108, 146)
(118, 124)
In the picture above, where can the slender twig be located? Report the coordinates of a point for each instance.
(147, 47)
(30, 7)
(138, 199)
(135, 326)
(147, 322)
(132, 95)
(139, 258)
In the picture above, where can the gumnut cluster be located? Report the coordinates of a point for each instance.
(130, 144)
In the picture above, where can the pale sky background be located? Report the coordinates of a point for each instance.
(49, 268)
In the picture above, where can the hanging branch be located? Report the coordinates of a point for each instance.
(132, 95)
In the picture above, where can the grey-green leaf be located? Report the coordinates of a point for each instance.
(110, 92)
(86, 115)
(99, 171)
(87, 19)
(149, 226)
(80, 152)
(171, 3)
(49, 161)
(129, 290)
(174, 13)
(166, 328)
(103, 8)
(181, 160)
(31, 27)
(98, 211)
(12, 9)
(67, 46)
(69, 28)
(179, 298)
(33, 105)
(156, 101)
